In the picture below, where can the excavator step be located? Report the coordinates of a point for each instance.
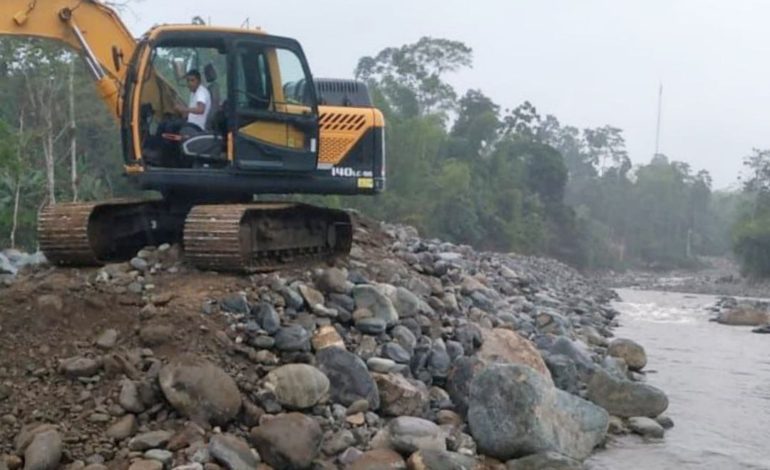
(264, 236)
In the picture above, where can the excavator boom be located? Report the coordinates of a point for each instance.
(87, 26)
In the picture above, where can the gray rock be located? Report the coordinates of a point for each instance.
(199, 390)
(403, 336)
(577, 352)
(293, 299)
(665, 421)
(371, 326)
(298, 386)
(235, 303)
(334, 280)
(149, 440)
(400, 396)
(312, 297)
(6, 267)
(139, 264)
(107, 339)
(630, 351)
(408, 434)
(427, 459)
(44, 452)
(396, 352)
(563, 371)
(268, 318)
(381, 365)
(290, 441)
(339, 442)
(459, 381)
(544, 461)
(625, 398)
(439, 361)
(514, 411)
(232, 452)
(647, 427)
(406, 303)
(369, 297)
(75, 367)
(349, 377)
(160, 455)
(129, 397)
(292, 338)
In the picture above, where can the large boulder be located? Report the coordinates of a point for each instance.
(349, 377)
(298, 386)
(199, 390)
(625, 398)
(514, 411)
(744, 316)
(506, 346)
(630, 351)
(290, 441)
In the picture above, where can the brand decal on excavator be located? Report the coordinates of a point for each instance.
(347, 172)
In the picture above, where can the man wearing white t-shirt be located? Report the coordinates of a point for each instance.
(198, 108)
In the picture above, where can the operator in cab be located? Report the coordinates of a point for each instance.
(199, 106)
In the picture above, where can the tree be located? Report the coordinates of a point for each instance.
(411, 77)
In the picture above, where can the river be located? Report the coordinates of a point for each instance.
(717, 379)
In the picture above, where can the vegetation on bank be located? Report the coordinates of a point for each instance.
(460, 167)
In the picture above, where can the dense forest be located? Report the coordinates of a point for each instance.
(460, 167)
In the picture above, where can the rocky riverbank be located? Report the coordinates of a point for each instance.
(717, 276)
(411, 353)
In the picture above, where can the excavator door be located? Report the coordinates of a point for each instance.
(274, 105)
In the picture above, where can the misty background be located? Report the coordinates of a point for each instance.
(592, 62)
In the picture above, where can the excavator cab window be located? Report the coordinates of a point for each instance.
(275, 110)
(167, 140)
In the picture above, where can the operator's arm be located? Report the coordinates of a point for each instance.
(200, 108)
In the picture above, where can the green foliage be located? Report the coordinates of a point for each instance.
(751, 244)
(751, 230)
(410, 77)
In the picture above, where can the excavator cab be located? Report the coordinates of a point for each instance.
(263, 113)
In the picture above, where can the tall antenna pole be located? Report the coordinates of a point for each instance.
(657, 130)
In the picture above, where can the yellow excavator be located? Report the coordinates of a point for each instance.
(269, 127)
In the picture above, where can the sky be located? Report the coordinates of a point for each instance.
(588, 62)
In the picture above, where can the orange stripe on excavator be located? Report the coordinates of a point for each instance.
(341, 128)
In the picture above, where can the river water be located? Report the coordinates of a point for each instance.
(717, 379)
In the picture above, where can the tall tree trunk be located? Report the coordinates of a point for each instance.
(48, 148)
(73, 135)
(17, 193)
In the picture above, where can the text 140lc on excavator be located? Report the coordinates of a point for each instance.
(267, 127)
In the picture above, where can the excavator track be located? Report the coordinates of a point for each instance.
(264, 236)
(92, 234)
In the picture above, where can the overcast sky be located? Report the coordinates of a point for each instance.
(588, 62)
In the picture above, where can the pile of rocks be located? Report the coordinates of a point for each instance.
(12, 260)
(412, 353)
(744, 312)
